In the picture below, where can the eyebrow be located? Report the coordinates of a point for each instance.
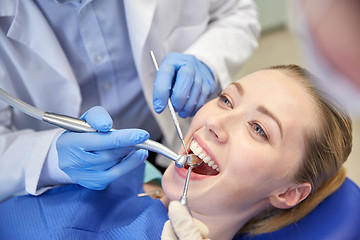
(262, 109)
(238, 87)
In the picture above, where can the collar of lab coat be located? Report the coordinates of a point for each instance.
(28, 20)
(30, 28)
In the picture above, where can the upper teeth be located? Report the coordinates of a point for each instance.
(198, 151)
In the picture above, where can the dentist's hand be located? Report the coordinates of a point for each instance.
(182, 225)
(187, 80)
(94, 160)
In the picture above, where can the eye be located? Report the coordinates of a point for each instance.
(258, 130)
(225, 100)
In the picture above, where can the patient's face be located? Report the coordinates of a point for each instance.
(254, 134)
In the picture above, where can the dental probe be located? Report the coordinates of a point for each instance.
(171, 108)
(78, 125)
(183, 198)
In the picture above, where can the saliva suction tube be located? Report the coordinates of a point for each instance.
(78, 125)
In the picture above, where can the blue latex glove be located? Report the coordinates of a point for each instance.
(94, 160)
(187, 80)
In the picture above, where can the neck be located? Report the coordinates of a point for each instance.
(225, 226)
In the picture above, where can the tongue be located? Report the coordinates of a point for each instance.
(205, 169)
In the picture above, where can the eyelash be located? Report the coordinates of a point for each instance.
(258, 129)
(225, 99)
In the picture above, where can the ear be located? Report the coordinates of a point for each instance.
(291, 197)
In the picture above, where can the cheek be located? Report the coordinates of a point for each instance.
(238, 190)
(197, 122)
(249, 156)
(254, 169)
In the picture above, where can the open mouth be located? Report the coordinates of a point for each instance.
(208, 166)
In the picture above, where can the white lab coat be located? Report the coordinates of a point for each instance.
(34, 68)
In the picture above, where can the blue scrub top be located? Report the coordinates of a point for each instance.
(74, 212)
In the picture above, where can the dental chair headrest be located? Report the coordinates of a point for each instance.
(337, 217)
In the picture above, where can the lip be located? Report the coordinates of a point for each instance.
(182, 172)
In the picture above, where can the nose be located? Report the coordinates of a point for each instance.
(216, 127)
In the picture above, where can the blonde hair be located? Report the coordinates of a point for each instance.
(327, 148)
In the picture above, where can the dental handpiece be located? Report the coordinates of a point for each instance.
(171, 109)
(78, 125)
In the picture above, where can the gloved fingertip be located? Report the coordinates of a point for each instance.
(168, 232)
(192, 114)
(176, 207)
(175, 204)
(105, 127)
(98, 118)
(104, 122)
(204, 230)
(183, 114)
(143, 154)
(158, 106)
(143, 136)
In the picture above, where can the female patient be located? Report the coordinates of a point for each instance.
(268, 142)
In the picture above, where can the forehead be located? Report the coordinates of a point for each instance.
(276, 85)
